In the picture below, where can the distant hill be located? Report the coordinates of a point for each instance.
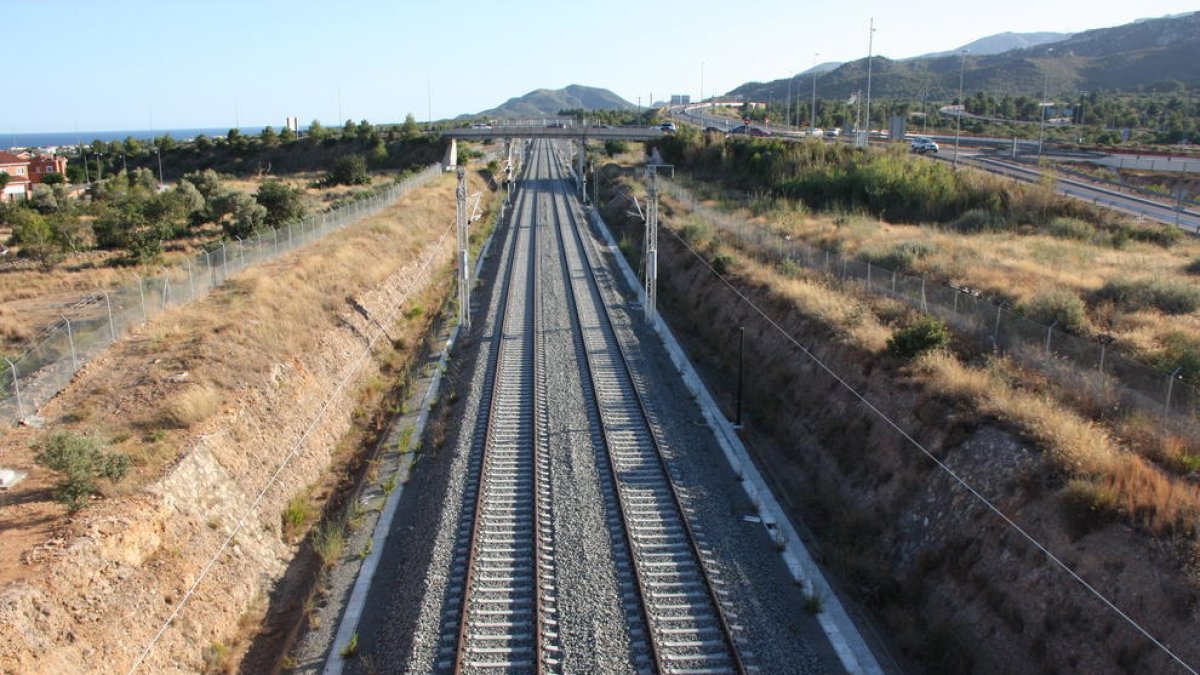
(1129, 57)
(541, 102)
(1000, 43)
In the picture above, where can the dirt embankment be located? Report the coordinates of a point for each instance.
(279, 350)
(954, 587)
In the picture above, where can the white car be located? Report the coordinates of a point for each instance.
(922, 145)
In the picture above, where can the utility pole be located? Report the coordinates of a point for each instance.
(870, 52)
(812, 120)
(464, 271)
(962, 107)
(1045, 94)
(651, 245)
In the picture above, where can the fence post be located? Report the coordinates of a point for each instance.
(924, 302)
(71, 341)
(142, 295)
(1049, 332)
(108, 304)
(955, 301)
(1170, 388)
(16, 389)
(275, 231)
(224, 261)
(868, 275)
(893, 282)
(191, 281)
(996, 328)
(166, 290)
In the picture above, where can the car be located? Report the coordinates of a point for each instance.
(558, 124)
(922, 145)
(668, 127)
(713, 130)
(833, 133)
(481, 126)
(747, 130)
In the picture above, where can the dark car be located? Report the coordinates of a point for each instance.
(747, 130)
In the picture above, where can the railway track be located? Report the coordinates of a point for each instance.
(500, 613)
(689, 628)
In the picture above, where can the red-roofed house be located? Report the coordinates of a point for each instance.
(24, 171)
(17, 168)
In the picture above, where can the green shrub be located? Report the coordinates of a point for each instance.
(902, 257)
(83, 461)
(1193, 267)
(1170, 297)
(1163, 235)
(721, 263)
(980, 220)
(1058, 306)
(1071, 228)
(1180, 351)
(927, 334)
(330, 540)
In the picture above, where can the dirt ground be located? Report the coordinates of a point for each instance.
(278, 351)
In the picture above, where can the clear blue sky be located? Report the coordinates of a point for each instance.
(134, 64)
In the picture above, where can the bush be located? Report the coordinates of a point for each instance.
(980, 220)
(1193, 267)
(1058, 306)
(83, 461)
(615, 147)
(1180, 351)
(1170, 297)
(1163, 235)
(349, 170)
(283, 202)
(927, 334)
(903, 257)
(1071, 228)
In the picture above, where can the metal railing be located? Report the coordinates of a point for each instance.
(102, 318)
(1091, 367)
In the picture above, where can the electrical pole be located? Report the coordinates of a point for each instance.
(651, 245)
(812, 120)
(962, 107)
(870, 52)
(1045, 94)
(464, 272)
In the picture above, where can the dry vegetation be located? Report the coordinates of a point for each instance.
(1134, 468)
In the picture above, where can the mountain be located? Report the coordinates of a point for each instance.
(1129, 57)
(1000, 43)
(540, 102)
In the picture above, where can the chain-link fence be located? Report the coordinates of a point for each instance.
(100, 319)
(1091, 367)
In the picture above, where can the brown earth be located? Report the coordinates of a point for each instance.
(953, 585)
(268, 351)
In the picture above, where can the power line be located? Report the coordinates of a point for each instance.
(941, 465)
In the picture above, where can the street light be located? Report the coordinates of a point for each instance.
(1045, 94)
(962, 106)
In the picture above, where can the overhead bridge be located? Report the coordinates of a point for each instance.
(572, 132)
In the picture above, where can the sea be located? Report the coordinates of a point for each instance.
(53, 139)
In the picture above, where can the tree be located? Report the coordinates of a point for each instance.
(165, 143)
(410, 129)
(133, 146)
(349, 129)
(282, 202)
(54, 178)
(234, 136)
(378, 154)
(203, 143)
(268, 137)
(4, 177)
(365, 130)
(316, 131)
(349, 170)
(286, 135)
(248, 216)
(33, 234)
(83, 461)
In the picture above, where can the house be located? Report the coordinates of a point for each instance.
(25, 170)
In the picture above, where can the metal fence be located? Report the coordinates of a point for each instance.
(1091, 367)
(98, 320)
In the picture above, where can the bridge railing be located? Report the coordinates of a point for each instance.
(102, 318)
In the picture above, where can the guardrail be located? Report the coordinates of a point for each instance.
(105, 316)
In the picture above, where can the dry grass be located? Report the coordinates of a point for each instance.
(195, 405)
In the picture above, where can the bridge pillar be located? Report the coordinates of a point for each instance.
(579, 171)
(450, 161)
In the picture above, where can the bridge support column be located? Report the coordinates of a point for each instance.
(651, 245)
(579, 170)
